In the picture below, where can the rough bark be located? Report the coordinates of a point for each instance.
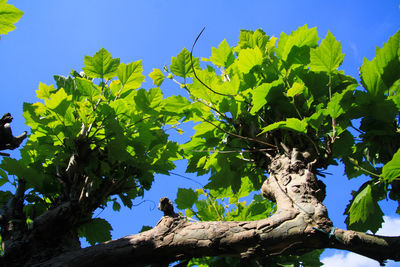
(7, 139)
(301, 223)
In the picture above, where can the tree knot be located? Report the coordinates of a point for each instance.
(167, 207)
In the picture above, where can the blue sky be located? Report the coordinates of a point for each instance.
(54, 36)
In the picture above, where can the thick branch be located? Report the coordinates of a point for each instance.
(7, 140)
(301, 223)
(177, 239)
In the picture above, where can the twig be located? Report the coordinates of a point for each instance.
(239, 136)
(232, 151)
(194, 72)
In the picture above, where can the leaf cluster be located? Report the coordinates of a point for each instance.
(96, 138)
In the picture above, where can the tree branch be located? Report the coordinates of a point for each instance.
(301, 223)
(174, 238)
(7, 140)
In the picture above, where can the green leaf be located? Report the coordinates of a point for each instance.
(253, 39)
(371, 78)
(19, 169)
(157, 76)
(58, 100)
(86, 87)
(45, 91)
(67, 83)
(101, 65)
(289, 124)
(116, 206)
(223, 55)
(185, 198)
(3, 177)
(9, 15)
(95, 231)
(260, 95)
(148, 99)
(364, 213)
(391, 170)
(296, 89)
(303, 36)
(328, 56)
(249, 58)
(181, 65)
(145, 228)
(316, 119)
(340, 103)
(131, 75)
(387, 60)
(175, 104)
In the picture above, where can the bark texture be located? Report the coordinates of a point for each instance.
(300, 224)
(7, 139)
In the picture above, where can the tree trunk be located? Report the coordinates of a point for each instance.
(300, 224)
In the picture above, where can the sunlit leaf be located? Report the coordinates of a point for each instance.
(289, 124)
(131, 75)
(303, 36)
(328, 56)
(101, 65)
(9, 15)
(391, 170)
(223, 55)
(249, 58)
(157, 76)
(44, 91)
(181, 65)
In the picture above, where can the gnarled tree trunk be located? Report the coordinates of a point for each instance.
(300, 224)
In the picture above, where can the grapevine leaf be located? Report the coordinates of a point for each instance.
(391, 170)
(289, 124)
(131, 75)
(95, 231)
(364, 212)
(181, 65)
(9, 15)
(185, 198)
(328, 56)
(157, 76)
(101, 65)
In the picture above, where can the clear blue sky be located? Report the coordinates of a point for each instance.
(54, 36)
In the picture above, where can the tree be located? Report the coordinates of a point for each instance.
(279, 113)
